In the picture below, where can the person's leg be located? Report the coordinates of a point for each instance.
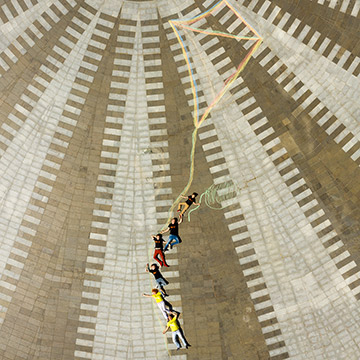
(161, 282)
(177, 241)
(156, 253)
(182, 337)
(186, 206)
(171, 238)
(163, 291)
(160, 285)
(180, 205)
(162, 256)
(161, 306)
(175, 340)
(168, 306)
(168, 243)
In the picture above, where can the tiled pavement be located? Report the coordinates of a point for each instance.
(96, 119)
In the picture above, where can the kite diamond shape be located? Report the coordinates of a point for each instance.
(190, 25)
(198, 24)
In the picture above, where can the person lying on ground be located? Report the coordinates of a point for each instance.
(176, 330)
(159, 242)
(185, 205)
(173, 227)
(160, 280)
(164, 306)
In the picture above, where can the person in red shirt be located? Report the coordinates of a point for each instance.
(159, 242)
(185, 205)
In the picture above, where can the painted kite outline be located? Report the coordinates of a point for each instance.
(178, 24)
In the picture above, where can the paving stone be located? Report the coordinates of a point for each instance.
(97, 116)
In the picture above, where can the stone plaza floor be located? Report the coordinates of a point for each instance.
(100, 106)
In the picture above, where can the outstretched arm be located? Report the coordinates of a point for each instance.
(184, 197)
(180, 220)
(175, 313)
(197, 204)
(166, 329)
(147, 267)
(164, 231)
(146, 295)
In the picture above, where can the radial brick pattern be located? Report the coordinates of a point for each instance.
(96, 123)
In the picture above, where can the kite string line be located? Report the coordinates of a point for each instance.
(190, 70)
(228, 83)
(191, 175)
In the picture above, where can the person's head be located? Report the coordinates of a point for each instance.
(194, 195)
(154, 267)
(174, 220)
(170, 316)
(159, 236)
(154, 291)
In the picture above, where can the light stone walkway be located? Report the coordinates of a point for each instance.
(96, 116)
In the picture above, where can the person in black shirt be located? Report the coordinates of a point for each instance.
(190, 200)
(160, 280)
(173, 227)
(159, 250)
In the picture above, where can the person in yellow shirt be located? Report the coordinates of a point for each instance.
(164, 306)
(176, 330)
